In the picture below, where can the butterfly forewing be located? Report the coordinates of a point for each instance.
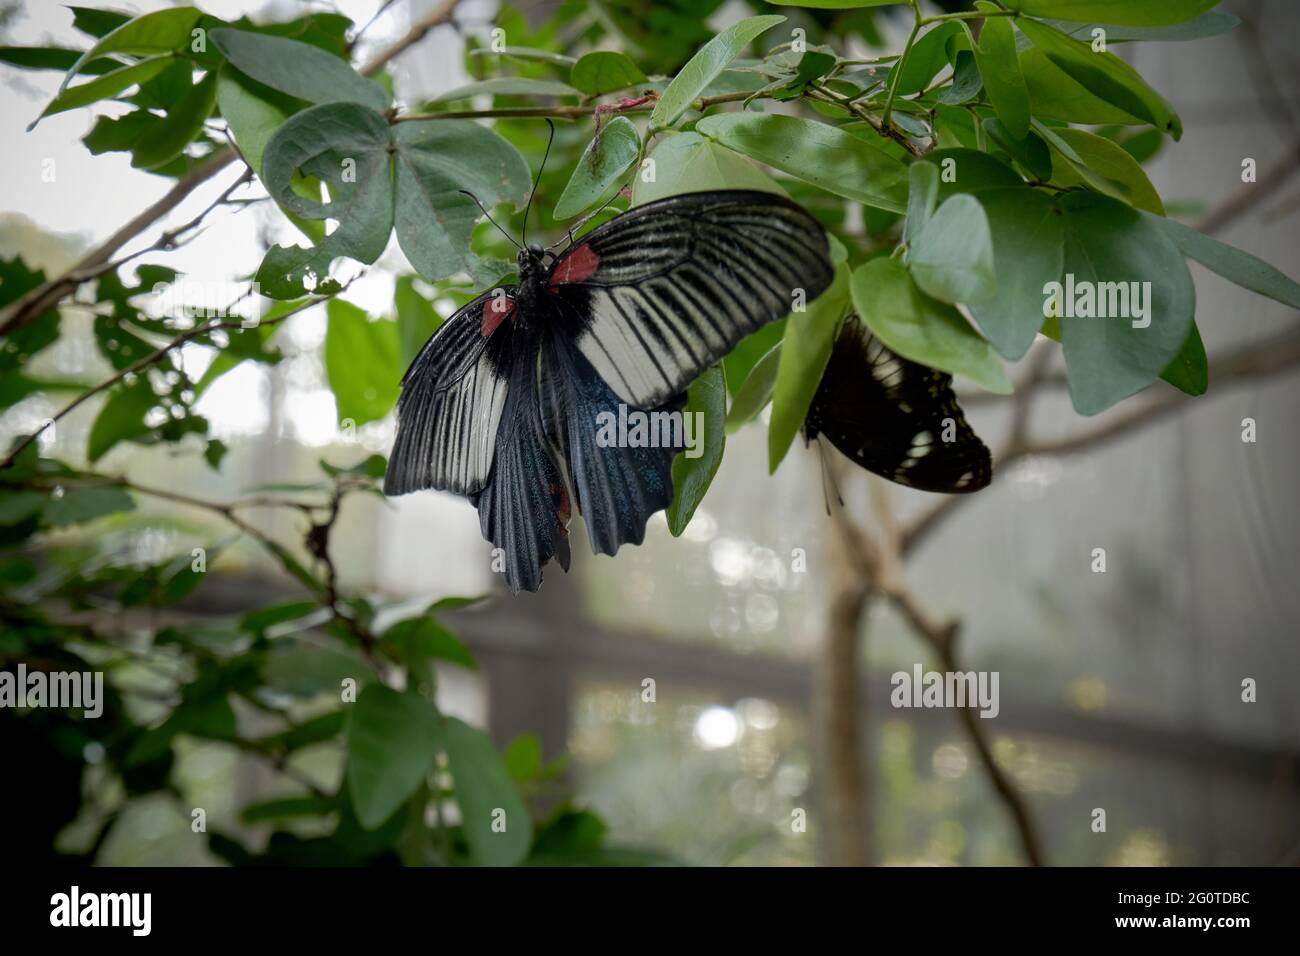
(452, 399)
(665, 290)
(896, 418)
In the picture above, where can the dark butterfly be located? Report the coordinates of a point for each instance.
(502, 403)
(896, 418)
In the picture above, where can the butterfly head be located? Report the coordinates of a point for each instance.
(532, 262)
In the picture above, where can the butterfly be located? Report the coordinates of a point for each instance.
(502, 404)
(895, 417)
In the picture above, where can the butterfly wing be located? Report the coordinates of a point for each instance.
(892, 416)
(617, 484)
(524, 506)
(666, 289)
(452, 400)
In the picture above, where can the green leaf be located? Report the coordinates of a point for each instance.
(756, 391)
(424, 639)
(1028, 235)
(952, 256)
(346, 146)
(929, 55)
(687, 162)
(705, 65)
(610, 155)
(1116, 172)
(523, 758)
(1238, 267)
(1197, 28)
(817, 153)
(1189, 372)
(259, 621)
(253, 111)
(1030, 151)
(362, 362)
(1000, 70)
(966, 81)
(287, 808)
(493, 816)
(1144, 13)
(78, 505)
(921, 328)
(605, 71)
(1107, 241)
(805, 350)
(166, 140)
(392, 741)
(163, 31)
(121, 418)
(507, 86)
(970, 171)
(102, 87)
(706, 406)
(1054, 95)
(417, 319)
(922, 197)
(54, 58)
(528, 53)
(1104, 74)
(298, 69)
(434, 161)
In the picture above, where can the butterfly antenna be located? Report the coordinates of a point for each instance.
(490, 219)
(584, 220)
(549, 140)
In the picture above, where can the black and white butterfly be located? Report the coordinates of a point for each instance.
(896, 418)
(501, 405)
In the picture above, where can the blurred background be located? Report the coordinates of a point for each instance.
(1120, 690)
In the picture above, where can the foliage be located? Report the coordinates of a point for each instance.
(961, 156)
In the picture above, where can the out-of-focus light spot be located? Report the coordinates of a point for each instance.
(1087, 693)
(1031, 477)
(761, 613)
(758, 713)
(730, 561)
(716, 727)
(949, 761)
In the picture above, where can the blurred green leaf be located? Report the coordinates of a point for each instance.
(605, 71)
(362, 362)
(706, 404)
(392, 741)
(705, 65)
(494, 819)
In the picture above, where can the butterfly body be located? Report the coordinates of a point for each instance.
(503, 403)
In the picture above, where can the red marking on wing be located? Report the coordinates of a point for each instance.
(497, 311)
(575, 266)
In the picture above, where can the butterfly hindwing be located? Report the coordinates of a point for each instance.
(452, 400)
(896, 418)
(617, 484)
(668, 288)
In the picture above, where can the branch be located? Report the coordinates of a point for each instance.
(435, 17)
(880, 563)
